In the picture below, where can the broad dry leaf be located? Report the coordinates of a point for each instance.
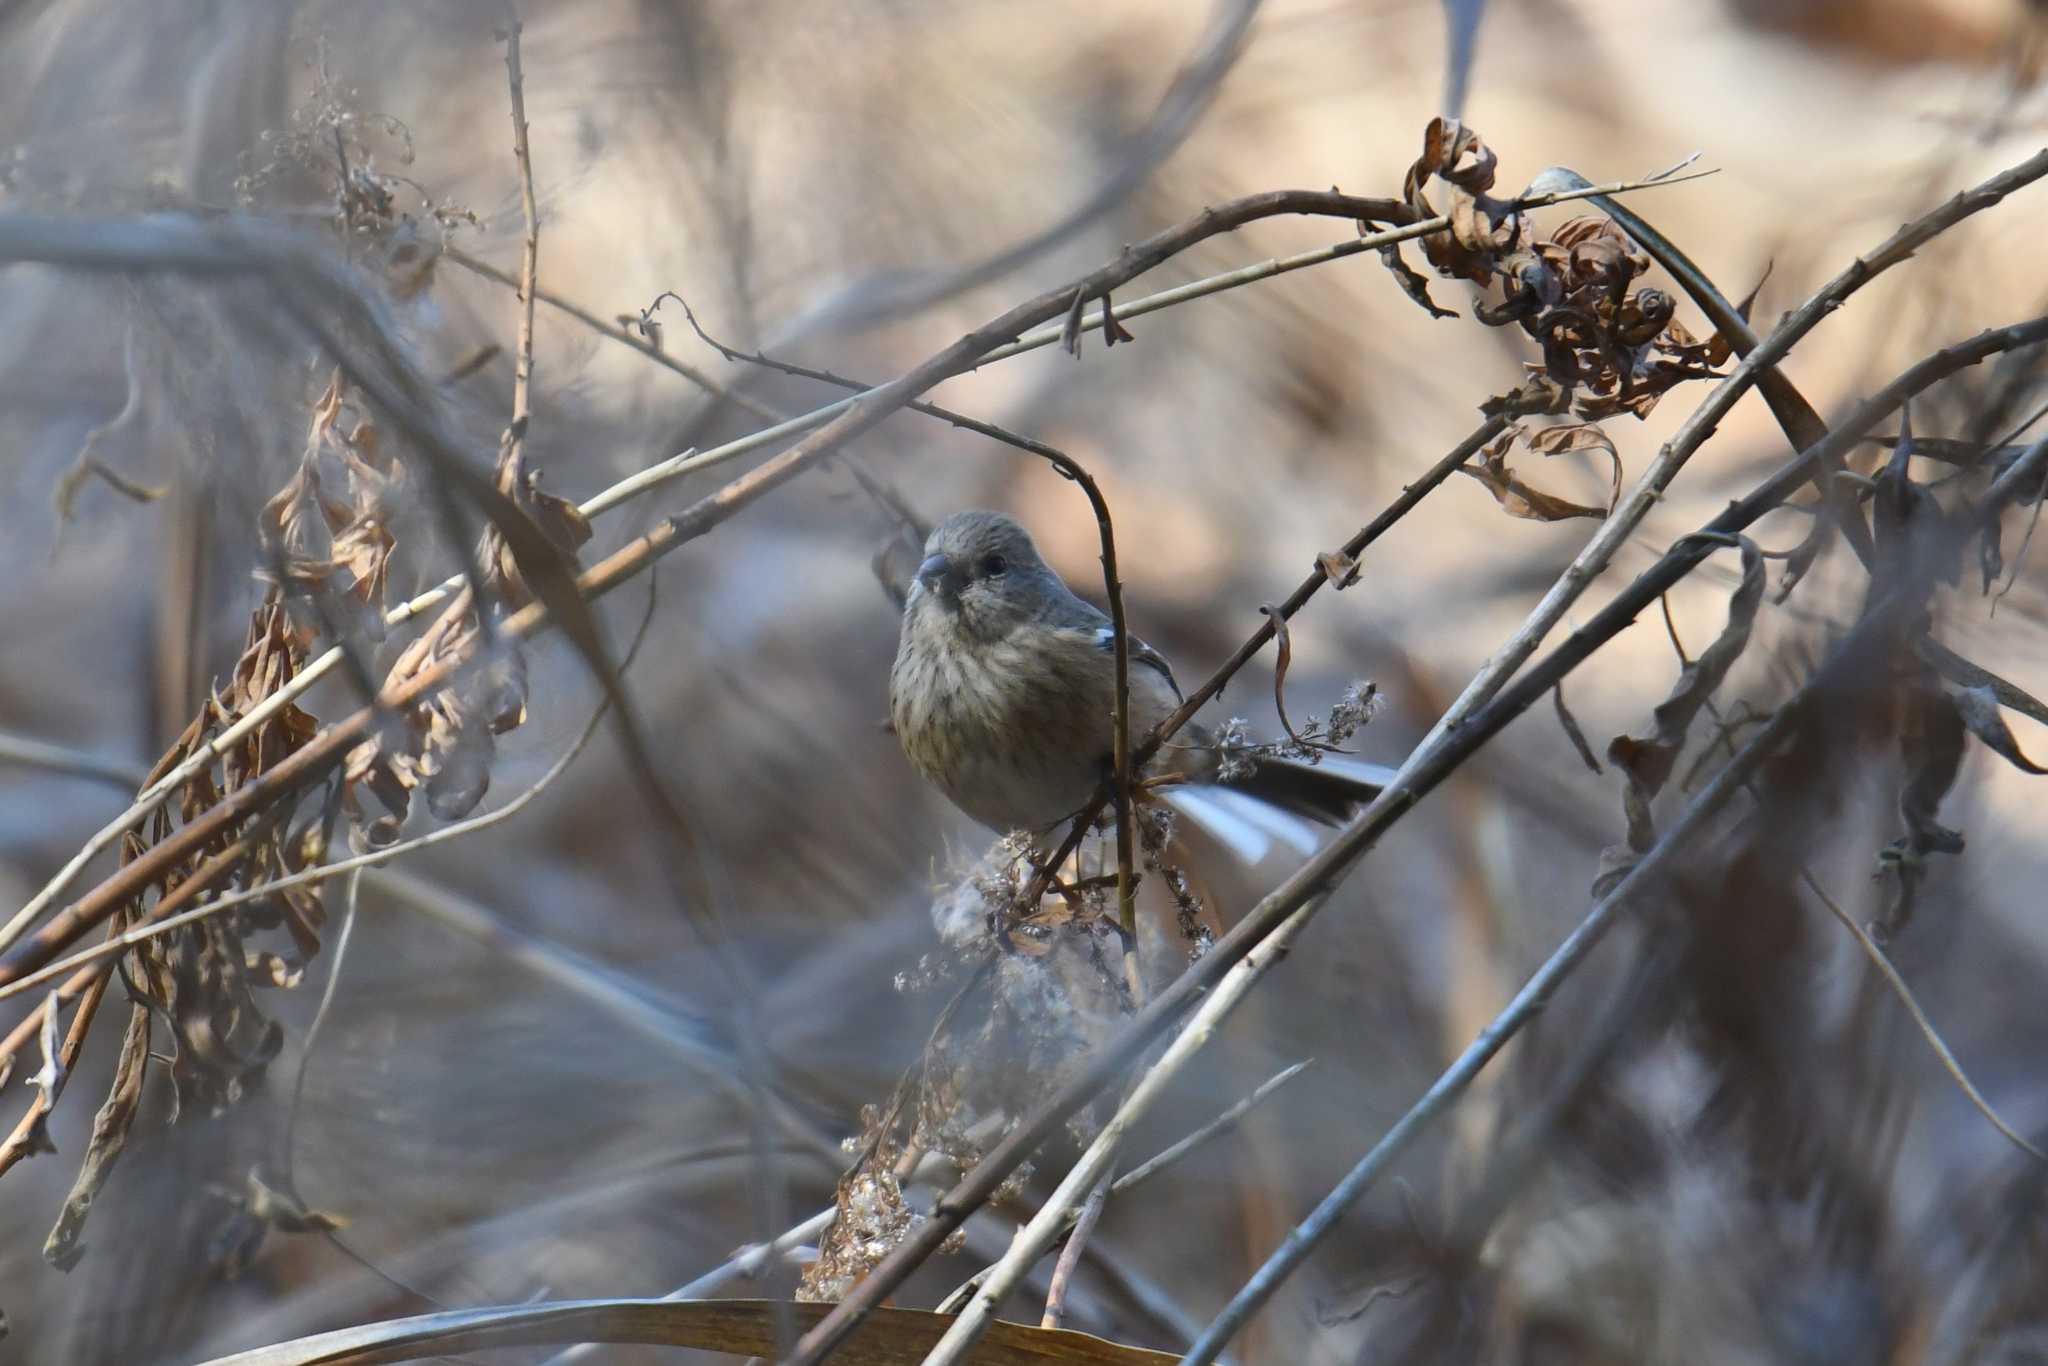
(740, 1328)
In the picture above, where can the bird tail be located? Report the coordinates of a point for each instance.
(1329, 793)
(1277, 802)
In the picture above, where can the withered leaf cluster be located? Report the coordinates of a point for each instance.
(327, 540)
(1610, 345)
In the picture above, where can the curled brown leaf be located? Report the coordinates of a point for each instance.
(1647, 756)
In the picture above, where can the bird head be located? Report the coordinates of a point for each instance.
(982, 574)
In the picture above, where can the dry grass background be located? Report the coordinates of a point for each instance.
(493, 1134)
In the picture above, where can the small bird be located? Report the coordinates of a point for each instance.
(1004, 690)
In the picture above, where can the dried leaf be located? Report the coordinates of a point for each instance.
(1574, 437)
(560, 521)
(286, 1212)
(460, 774)
(1571, 729)
(1340, 569)
(739, 1328)
(1283, 655)
(1647, 757)
(1931, 743)
(1517, 498)
(1957, 669)
(1412, 281)
(1538, 394)
(1481, 228)
(254, 1214)
(110, 1126)
(1978, 708)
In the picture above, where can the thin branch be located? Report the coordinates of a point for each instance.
(1120, 729)
(1070, 1255)
(89, 465)
(1534, 995)
(1035, 1237)
(1214, 1129)
(1227, 217)
(1157, 1163)
(244, 246)
(622, 336)
(51, 758)
(511, 464)
(1285, 905)
(1599, 551)
(1411, 495)
(1883, 963)
(247, 246)
(1445, 1092)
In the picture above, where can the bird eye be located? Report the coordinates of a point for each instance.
(993, 565)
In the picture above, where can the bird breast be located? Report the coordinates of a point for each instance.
(1016, 730)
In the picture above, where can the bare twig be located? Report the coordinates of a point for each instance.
(1530, 1000)
(1112, 582)
(1883, 963)
(1285, 905)
(1070, 1254)
(1411, 495)
(244, 246)
(1157, 1163)
(511, 461)
(622, 336)
(1226, 217)
(1453, 1082)
(1693, 433)
(88, 464)
(1035, 1237)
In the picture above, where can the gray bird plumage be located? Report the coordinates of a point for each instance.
(1004, 689)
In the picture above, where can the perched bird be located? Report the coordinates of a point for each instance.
(1004, 690)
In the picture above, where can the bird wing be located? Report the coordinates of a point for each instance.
(1141, 653)
(1078, 614)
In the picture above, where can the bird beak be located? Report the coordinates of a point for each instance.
(936, 574)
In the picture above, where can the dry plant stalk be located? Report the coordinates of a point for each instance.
(327, 541)
(1608, 344)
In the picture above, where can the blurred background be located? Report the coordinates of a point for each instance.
(536, 1080)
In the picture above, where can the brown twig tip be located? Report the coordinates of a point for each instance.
(511, 459)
